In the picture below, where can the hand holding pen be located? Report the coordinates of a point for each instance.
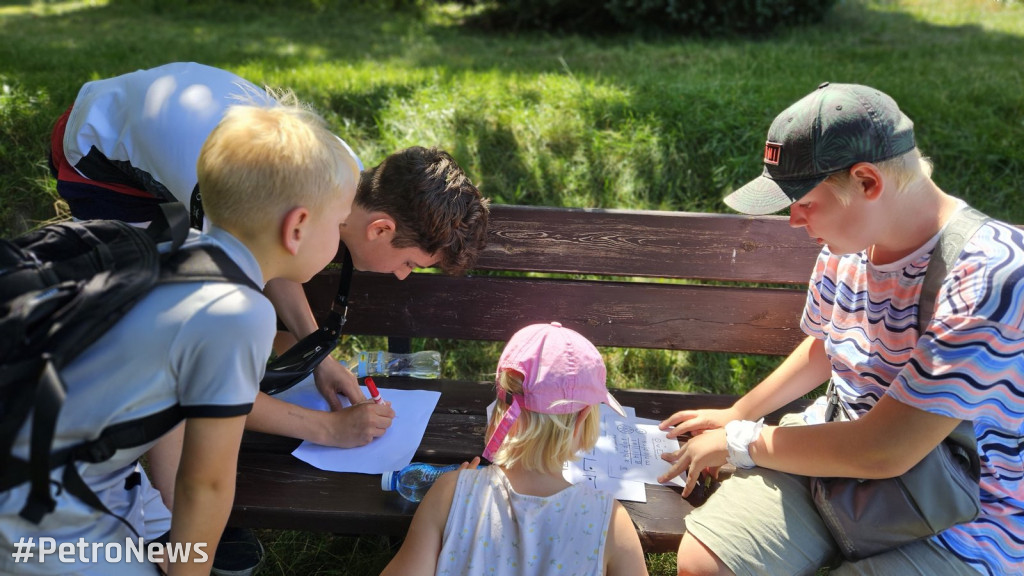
(374, 393)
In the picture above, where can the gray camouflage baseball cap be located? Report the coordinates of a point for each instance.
(829, 130)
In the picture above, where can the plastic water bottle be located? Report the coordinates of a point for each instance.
(413, 481)
(425, 364)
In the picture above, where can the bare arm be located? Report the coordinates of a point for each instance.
(422, 546)
(205, 487)
(803, 370)
(291, 305)
(864, 448)
(806, 368)
(163, 459)
(289, 300)
(353, 426)
(623, 554)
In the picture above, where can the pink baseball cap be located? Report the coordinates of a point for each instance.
(562, 374)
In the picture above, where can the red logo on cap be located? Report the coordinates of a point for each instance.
(771, 153)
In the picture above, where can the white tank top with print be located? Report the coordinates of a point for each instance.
(492, 529)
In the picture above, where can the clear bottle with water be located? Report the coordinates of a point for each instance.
(413, 481)
(424, 364)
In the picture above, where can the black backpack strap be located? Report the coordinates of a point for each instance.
(199, 264)
(203, 264)
(124, 435)
(171, 224)
(48, 401)
(118, 436)
(74, 484)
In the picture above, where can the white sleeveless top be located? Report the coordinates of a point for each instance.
(492, 529)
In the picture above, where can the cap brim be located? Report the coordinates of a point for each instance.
(614, 404)
(763, 195)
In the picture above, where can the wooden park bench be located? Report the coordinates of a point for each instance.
(622, 278)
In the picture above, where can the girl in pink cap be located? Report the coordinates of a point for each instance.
(520, 516)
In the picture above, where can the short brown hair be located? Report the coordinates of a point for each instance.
(434, 204)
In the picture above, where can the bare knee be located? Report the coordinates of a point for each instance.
(696, 559)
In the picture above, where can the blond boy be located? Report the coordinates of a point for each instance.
(277, 186)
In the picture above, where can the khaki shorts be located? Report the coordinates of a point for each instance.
(762, 521)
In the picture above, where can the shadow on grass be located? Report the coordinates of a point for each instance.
(703, 104)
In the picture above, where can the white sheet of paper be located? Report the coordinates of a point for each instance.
(627, 456)
(635, 451)
(392, 451)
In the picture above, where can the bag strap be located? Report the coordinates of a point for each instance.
(337, 318)
(172, 224)
(49, 398)
(200, 264)
(954, 236)
(203, 264)
(295, 364)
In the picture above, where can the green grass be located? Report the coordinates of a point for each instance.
(669, 123)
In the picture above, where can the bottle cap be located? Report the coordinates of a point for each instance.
(385, 481)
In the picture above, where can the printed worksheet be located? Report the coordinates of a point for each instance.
(627, 456)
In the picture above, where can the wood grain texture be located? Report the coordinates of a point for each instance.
(648, 243)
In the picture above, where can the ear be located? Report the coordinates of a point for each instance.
(869, 180)
(380, 228)
(293, 227)
(581, 417)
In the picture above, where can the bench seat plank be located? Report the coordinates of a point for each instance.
(276, 490)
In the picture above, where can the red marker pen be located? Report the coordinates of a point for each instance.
(374, 393)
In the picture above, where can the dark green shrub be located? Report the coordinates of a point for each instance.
(706, 17)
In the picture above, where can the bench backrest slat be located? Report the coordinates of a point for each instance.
(655, 244)
(666, 280)
(621, 314)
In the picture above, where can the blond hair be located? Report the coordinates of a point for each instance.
(265, 158)
(540, 442)
(904, 170)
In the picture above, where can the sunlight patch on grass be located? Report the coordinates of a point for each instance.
(48, 7)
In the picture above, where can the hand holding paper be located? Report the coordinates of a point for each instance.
(392, 451)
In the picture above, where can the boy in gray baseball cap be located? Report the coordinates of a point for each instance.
(844, 161)
(827, 131)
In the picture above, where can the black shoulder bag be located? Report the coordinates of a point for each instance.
(868, 517)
